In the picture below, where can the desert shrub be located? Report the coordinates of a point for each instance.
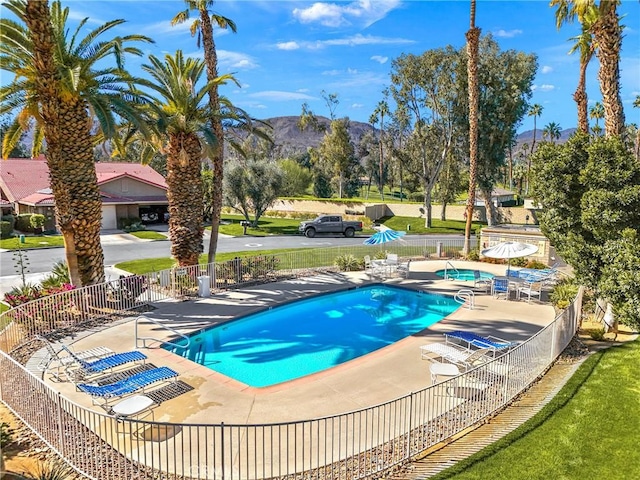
(124, 222)
(6, 229)
(519, 262)
(37, 221)
(134, 227)
(474, 255)
(23, 294)
(535, 264)
(260, 266)
(348, 263)
(59, 275)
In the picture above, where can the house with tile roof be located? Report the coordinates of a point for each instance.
(128, 190)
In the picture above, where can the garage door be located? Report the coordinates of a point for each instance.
(109, 219)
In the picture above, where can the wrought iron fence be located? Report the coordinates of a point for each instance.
(353, 445)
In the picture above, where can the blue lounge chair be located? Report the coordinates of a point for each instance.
(82, 368)
(494, 344)
(499, 286)
(128, 385)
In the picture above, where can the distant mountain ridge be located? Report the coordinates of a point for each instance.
(288, 138)
(527, 136)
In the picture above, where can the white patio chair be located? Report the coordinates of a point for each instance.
(530, 289)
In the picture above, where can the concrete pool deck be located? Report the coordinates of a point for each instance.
(375, 378)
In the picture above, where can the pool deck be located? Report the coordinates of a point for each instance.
(375, 378)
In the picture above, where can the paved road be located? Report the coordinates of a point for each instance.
(119, 247)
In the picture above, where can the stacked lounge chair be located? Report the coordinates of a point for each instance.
(493, 344)
(81, 368)
(103, 393)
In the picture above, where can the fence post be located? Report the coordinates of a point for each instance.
(61, 448)
(222, 449)
(409, 434)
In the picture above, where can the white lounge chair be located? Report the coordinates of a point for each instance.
(463, 357)
(55, 362)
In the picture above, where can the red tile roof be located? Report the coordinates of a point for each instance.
(23, 177)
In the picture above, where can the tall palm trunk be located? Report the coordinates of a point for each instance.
(69, 157)
(608, 37)
(580, 95)
(211, 60)
(473, 39)
(77, 195)
(184, 180)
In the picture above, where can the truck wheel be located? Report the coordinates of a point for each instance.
(310, 232)
(349, 232)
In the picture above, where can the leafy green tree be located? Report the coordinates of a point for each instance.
(321, 185)
(426, 84)
(590, 195)
(252, 187)
(337, 152)
(449, 183)
(505, 80)
(295, 178)
(381, 110)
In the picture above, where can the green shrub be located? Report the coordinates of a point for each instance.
(563, 293)
(37, 221)
(519, 262)
(6, 229)
(535, 264)
(474, 255)
(597, 334)
(348, 263)
(23, 222)
(416, 196)
(9, 218)
(124, 222)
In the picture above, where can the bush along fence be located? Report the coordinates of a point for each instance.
(363, 443)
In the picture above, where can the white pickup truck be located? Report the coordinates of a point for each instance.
(329, 224)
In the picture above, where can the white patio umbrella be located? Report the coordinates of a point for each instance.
(509, 250)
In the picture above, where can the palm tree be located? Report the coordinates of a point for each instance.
(603, 22)
(597, 113)
(57, 84)
(473, 41)
(204, 30)
(382, 109)
(552, 131)
(186, 139)
(586, 46)
(534, 111)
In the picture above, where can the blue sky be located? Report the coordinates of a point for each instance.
(287, 52)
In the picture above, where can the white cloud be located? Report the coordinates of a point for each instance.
(507, 33)
(331, 73)
(288, 45)
(380, 59)
(545, 87)
(236, 60)
(547, 69)
(352, 71)
(357, 105)
(352, 41)
(279, 96)
(363, 12)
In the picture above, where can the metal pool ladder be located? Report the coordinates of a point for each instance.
(161, 325)
(466, 298)
(446, 270)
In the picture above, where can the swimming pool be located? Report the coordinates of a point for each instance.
(311, 335)
(463, 274)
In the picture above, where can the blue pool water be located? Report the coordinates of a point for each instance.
(463, 274)
(311, 335)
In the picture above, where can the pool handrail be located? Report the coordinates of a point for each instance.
(161, 325)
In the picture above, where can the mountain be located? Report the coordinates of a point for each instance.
(289, 139)
(527, 136)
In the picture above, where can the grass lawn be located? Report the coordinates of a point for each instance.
(36, 241)
(590, 430)
(416, 225)
(149, 235)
